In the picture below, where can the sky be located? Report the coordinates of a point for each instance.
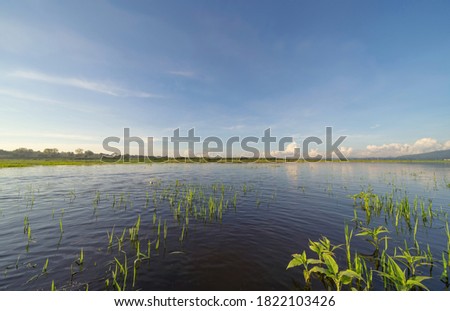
(73, 73)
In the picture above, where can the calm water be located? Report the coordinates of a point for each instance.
(279, 207)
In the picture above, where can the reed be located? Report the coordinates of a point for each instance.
(165, 230)
(182, 233)
(80, 259)
(26, 224)
(445, 264)
(135, 268)
(348, 238)
(45, 267)
(110, 238)
(29, 233)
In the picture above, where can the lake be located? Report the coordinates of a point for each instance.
(221, 226)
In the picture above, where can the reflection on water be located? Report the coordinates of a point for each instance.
(54, 212)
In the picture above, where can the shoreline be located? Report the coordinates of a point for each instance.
(17, 163)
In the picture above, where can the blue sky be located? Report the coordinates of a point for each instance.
(73, 73)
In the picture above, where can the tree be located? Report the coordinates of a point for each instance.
(51, 152)
(79, 151)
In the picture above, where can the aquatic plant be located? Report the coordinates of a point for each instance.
(373, 235)
(45, 267)
(398, 279)
(110, 238)
(80, 259)
(325, 266)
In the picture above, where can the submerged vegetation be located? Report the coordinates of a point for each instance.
(383, 244)
(394, 267)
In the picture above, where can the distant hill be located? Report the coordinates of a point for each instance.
(434, 155)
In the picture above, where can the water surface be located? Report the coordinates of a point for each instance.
(279, 207)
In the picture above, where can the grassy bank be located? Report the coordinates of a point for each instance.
(6, 163)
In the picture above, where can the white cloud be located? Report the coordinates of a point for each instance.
(447, 144)
(422, 145)
(288, 151)
(95, 86)
(346, 151)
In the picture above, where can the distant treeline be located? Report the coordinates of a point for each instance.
(49, 153)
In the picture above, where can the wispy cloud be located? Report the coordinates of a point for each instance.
(186, 74)
(50, 136)
(21, 95)
(234, 127)
(94, 86)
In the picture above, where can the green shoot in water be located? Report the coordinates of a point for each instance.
(165, 230)
(135, 267)
(110, 238)
(29, 233)
(348, 238)
(157, 244)
(26, 224)
(44, 269)
(445, 265)
(397, 277)
(373, 235)
(182, 233)
(80, 259)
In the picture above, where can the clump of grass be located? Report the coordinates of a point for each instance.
(398, 279)
(120, 273)
(134, 231)
(325, 266)
(358, 274)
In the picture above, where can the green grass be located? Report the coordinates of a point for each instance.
(5, 163)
